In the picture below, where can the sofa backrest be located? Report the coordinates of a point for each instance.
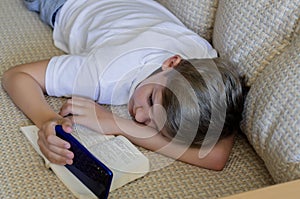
(251, 33)
(198, 15)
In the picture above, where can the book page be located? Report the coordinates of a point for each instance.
(88, 137)
(123, 158)
(119, 153)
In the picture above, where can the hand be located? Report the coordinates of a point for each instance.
(90, 114)
(54, 148)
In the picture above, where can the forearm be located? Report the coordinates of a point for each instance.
(150, 139)
(27, 94)
(215, 160)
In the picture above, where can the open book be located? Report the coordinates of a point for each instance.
(125, 161)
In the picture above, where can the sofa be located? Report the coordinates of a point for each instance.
(260, 38)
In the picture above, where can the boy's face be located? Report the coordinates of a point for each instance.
(145, 105)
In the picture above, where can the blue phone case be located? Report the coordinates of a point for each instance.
(86, 167)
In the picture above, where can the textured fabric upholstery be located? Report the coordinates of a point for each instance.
(196, 15)
(251, 33)
(272, 115)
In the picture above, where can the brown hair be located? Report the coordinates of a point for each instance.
(203, 98)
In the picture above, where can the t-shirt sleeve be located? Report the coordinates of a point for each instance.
(70, 75)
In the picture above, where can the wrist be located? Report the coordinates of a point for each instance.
(47, 119)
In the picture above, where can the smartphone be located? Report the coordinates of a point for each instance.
(86, 167)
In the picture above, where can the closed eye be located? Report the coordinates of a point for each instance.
(150, 100)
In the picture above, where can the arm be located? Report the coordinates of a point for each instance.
(94, 116)
(25, 84)
(216, 159)
(154, 141)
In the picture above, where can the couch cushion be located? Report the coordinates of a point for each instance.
(272, 115)
(251, 33)
(196, 15)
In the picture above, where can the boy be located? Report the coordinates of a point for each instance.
(133, 52)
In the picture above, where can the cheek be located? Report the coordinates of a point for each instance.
(140, 93)
(159, 115)
(135, 96)
(133, 101)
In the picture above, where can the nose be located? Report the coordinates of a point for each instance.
(142, 115)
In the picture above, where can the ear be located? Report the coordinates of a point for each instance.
(171, 62)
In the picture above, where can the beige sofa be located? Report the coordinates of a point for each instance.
(260, 37)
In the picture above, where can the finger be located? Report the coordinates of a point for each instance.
(60, 156)
(73, 109)
(55, 154)
(77, 119)
(46, 131)
(82, 102)
(48, 139)
(82, 120)
(48, 134)
(67, 124)
(61, 152)
(79, 100)
(66, 108)
(54, 148)
(91, 123)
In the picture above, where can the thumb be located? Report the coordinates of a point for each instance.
(67, 125)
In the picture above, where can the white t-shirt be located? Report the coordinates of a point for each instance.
(113, 45)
